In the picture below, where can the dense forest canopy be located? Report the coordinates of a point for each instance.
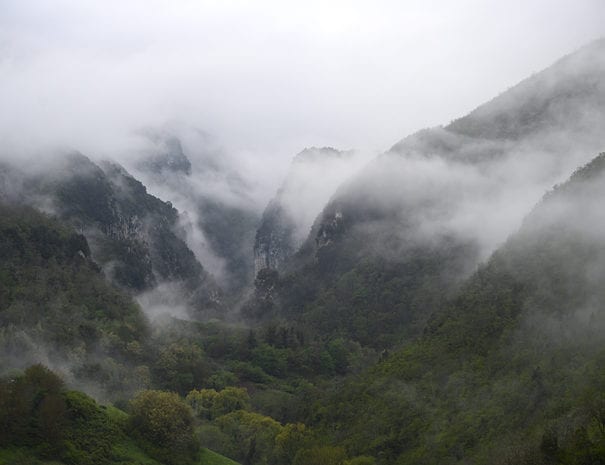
(442, 302)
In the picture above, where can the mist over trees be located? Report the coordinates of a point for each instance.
(167, 298)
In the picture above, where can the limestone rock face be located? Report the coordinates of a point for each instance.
(170, 157)
(274, 242)
(313, 177)
(135, 237)
(218, 215)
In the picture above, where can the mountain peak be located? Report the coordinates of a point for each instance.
(170, 157)
(318, 153)
(555, 97)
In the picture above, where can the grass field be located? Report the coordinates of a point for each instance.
(207, 457)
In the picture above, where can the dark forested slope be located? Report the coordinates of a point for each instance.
(398, 238)
(134, 236)
(511, 370)
(57, 308)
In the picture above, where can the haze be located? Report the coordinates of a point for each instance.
(267, 78)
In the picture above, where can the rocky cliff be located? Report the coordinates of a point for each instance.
(313, 177)
(218, 215)
(134, 236)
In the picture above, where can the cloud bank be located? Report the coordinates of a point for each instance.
(267, 78)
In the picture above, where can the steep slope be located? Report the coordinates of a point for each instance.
(56, 308)
(511, 370)
(313, 177)
(438, 202)
(219, 217)
(134, 236)
(558, 96)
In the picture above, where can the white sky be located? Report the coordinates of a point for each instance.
(267, 78)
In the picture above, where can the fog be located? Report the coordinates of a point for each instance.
(314, 176)
(478, 177)
(244, 87)
(207, 103)
(189, 168)
(267, 78)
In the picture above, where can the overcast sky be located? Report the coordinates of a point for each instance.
(267, 78)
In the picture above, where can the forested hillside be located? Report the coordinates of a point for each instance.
(246, 387)
(396, 239)
(446, 306)
(42, 422)
(134, 236)
(511, 370)
(57, 308)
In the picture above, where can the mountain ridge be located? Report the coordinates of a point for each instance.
(438, 187)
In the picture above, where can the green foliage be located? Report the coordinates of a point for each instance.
(511, 367)
(252, 436)
(270, 359)
(364, 298)
(163, 424)
(18, 457)
(36, 412)
(210, 404)
(202, 402)
(33, 410)
(181, 366)
(55, 303)
(293, 438)
(91, 435)
(361, 460)
(509, 370)
(326, 455)
(42, 423)
(208, 457)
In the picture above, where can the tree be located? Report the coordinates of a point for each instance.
(202, 402)
(32, 408)
(252, 435)
(321, 456)
(163, 424)
(292, 438)
(230, 400)
(209, 404)
(181, 367)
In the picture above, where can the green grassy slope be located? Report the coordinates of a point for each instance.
(208, 457)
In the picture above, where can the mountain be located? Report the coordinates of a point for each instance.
(557, 97)
(57, 308)
(169, 158)
(313, 177)
(219, 217)
(511, 369)
(398, 238)
(135, 237)
(440, 308)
